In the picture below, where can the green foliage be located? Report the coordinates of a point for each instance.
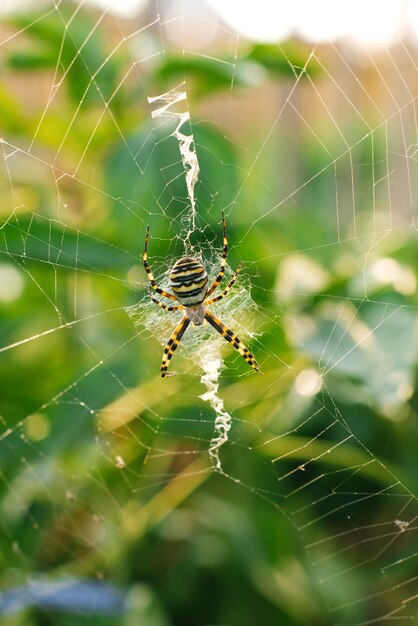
(206, 75)
(284, 60)
(90, 75)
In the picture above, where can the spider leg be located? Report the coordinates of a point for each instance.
(172, 344)
(232, 338)
(164, 306)
(223, 261)
(150, 274)
(227, 288)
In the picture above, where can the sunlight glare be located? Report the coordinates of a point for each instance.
(189, 25)
(124, 8)
(11, 283)
(372, 23)
(308, 383)
(265, 20)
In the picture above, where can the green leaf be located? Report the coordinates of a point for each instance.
(37, 239)
(206, 75)
(146, 174)
(285, 60)
(368, 349)
(31, 60)
(75, 46)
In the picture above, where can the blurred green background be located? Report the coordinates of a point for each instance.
(105, 474)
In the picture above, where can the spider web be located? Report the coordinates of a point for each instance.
(307, 474)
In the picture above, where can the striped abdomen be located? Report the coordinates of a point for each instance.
(189, 281)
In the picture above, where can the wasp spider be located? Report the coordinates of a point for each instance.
(189, 282)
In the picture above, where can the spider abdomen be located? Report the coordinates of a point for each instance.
(189, 281)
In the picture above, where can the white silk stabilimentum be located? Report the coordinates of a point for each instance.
(164, 107)
(212, 365)
(201, 344)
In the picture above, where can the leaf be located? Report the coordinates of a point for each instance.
(31, 60)
(365, 347)
(40, 240)
(75, 46)
(146, 174)
(284, 60)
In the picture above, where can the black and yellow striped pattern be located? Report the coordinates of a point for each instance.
(227, 288)
(233, 339)
(189, 281)
(172, 344)
(179, 307)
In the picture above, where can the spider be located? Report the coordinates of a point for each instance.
(189, 282)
